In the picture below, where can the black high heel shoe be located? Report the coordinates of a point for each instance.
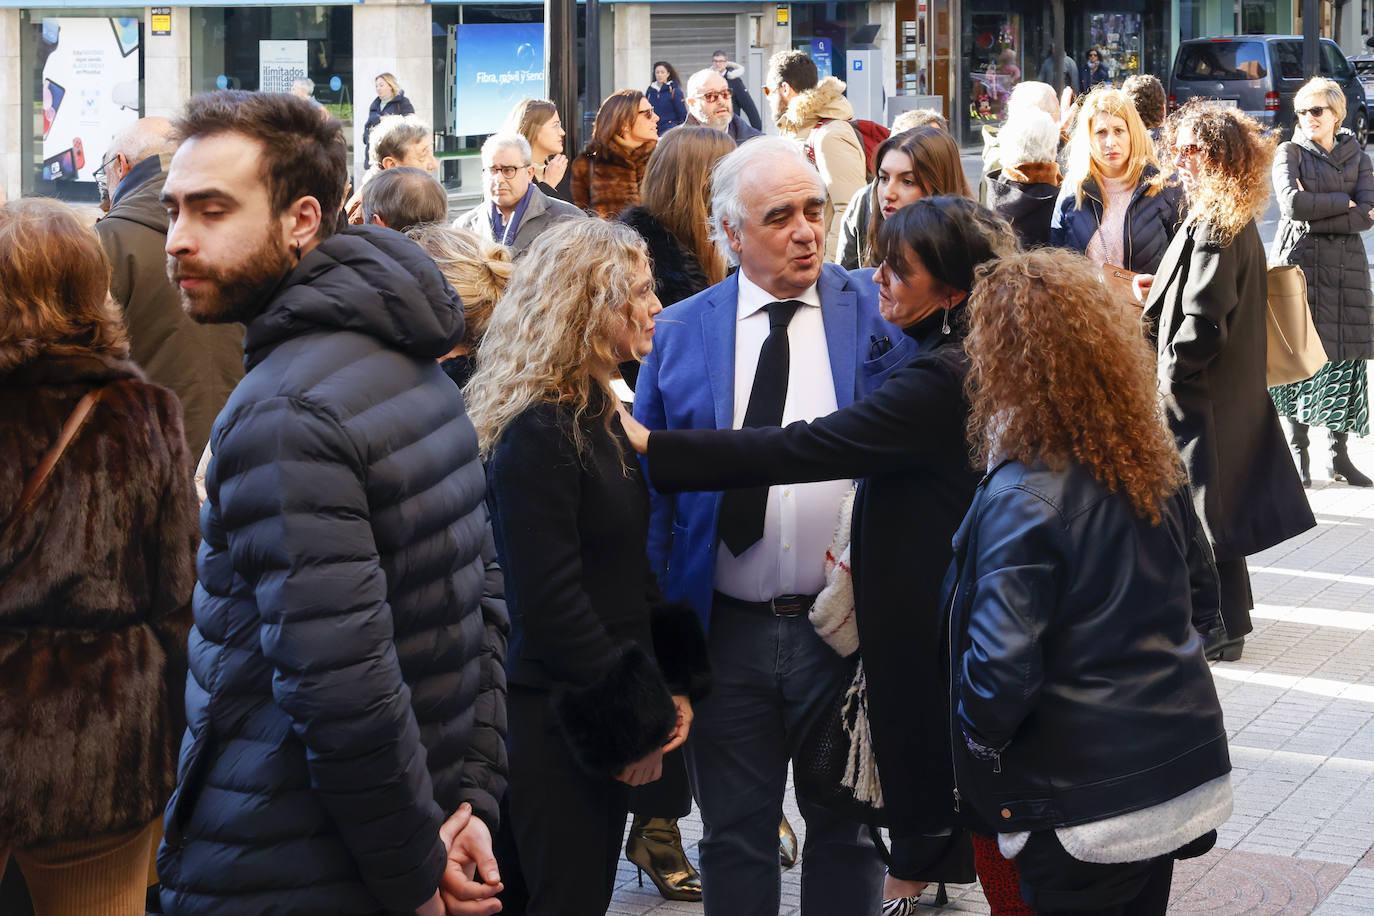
(1342, 468)
(655, 846)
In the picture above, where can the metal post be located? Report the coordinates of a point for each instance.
(593, 72)
(1311, 32)
(560, 42)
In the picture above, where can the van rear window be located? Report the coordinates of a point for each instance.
(1222, 60)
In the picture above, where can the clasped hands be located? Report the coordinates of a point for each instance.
(461, 892)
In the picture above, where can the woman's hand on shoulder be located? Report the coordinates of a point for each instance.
(636, 432)
(1140, 286)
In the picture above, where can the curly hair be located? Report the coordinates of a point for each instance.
(476, 267)
(567, 302)
(935, 167)
(1103, 102)
(54, 286)
(1060, 373)
(1233, 186)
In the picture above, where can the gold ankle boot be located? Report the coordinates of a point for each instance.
(787, 844)
(655, 846)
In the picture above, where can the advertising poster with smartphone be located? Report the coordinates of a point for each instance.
(89, 91)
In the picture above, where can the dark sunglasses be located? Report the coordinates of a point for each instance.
(1315, 111)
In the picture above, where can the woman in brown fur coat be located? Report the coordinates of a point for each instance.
(607, 175)
(96, 573)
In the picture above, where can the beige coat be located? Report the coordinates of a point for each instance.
(839, 155)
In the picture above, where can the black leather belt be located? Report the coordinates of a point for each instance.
(781, 606)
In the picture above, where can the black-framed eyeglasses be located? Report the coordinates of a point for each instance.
(716, 95)
(99, 174)
(505, 171)
(1315, 111)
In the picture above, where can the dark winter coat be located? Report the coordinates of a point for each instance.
(1071, 625)
(1028, 206)
(571, 532)
(1320, 232)
(609, 182)
(1208, 305)
(1089, 77)
(738, 128)
(200, 363)
(677, 272)
(853, 246)
(347, 689)
(669, 104)
(906, 442)
(739, 95)
(95, 592)
(1150, 221)
(398, 104)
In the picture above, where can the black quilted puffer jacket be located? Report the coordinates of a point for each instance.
(346, 687)
(1320, 232)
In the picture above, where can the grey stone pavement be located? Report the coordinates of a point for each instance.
(1299, 709)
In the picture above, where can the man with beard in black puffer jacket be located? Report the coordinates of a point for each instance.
(345, 707)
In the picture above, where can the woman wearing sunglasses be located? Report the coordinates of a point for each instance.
(1207, 304)
(607, 176)
(1325, 187)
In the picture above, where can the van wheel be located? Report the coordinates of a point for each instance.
(1362, 127)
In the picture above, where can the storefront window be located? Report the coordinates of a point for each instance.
(1117, 38)
(993, 64)
(256, 47)
(822, 30)
(81, 71)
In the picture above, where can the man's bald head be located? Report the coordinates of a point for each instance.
(146, 137)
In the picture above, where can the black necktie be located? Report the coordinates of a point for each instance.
(742, 511)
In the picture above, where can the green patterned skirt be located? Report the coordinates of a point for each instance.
(1336, 398)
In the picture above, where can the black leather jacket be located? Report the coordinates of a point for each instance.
(1077, 669)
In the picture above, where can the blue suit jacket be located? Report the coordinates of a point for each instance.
(688, 382)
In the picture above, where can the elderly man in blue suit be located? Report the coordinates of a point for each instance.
(784, 338)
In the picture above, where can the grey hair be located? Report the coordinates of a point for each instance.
(697, 80)
(1030, 135)
(506, 140)
(146, 137)
(1032, 94)
(393, 135)
(305, 83)
(404, 198)
(756, 158)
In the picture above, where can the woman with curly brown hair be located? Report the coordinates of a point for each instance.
(97, 565)
(1079, 574)
(1209, 312)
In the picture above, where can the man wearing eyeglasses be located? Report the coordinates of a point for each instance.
(514, 211)
(742, 101)
(709, 105)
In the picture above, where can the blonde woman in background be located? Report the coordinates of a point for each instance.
(538, 122)
(1325, 188)
(478, 269)
(1115, 205)
(391, 100)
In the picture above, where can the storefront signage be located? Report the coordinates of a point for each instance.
(89, 92)
(497, 66)
(784, 15)
(280, 63)
(161, 20)
(820, 56)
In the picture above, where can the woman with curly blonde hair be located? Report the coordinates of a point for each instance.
(1209, 312)
(593, 702)
(1080, 582)
(478, 269)
(1116, 205)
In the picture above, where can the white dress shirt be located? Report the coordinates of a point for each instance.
(800, 518)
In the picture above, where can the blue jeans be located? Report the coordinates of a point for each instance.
(771, 676)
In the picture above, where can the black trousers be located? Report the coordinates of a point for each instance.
(668, 796)
(561, 827)
(1052, 881)
(1233, 580)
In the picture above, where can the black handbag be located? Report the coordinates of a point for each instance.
(833, 767)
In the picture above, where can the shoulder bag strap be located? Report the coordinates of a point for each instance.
(39, 478)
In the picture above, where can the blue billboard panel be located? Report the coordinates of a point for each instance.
(497, 66)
